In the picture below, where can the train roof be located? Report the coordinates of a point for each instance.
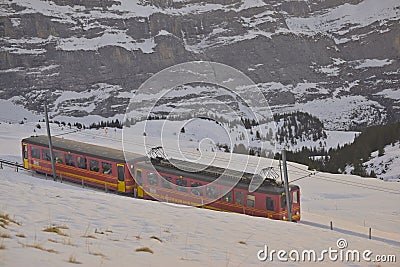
(77, 147)
(210, 173)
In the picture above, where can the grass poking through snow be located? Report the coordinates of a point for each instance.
(73, 260)
(97, 254)
(3, 235)
(144, 249)
(54, 229)
(6, 220)
(6, 217)
(156, 238)
(3, 223)
(40, 247)
(66, 242)
(89, 236)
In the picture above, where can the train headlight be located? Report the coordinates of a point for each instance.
(284, 218)
(297, 212)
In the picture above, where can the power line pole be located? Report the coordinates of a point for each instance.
(287, 192)
(53, 165)
(280, 169)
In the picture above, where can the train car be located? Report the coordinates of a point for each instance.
(79, 162)
(159, 179)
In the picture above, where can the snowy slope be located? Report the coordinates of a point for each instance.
(105, 229)
(386, 166)
(340, 113)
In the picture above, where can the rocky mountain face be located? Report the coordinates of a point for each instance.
(335, 59)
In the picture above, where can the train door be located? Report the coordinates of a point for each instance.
(296, 205)
(121, 177)
(25, 155)
(139, 181)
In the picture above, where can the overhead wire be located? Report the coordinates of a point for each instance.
(298, 171)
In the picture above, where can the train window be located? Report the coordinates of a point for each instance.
(69, 160)
(295, 197)
(196, 191)
(251, 201)
(46, 154)
(181, 185)
(107, 168)
(94, 165)
(152, 178)
(239, 197)
(139, 178)
(82, 162)
(270, 203)
(212, 191)
(227, 197)
(35, 152)
(167, 182)
(58, 157)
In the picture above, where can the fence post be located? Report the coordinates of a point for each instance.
(370, 231)
(16, 166)
(331, 225)
(1, 165)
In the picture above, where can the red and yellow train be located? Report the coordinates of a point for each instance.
(159, 179)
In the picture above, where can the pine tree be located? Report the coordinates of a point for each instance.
(381, 152)
(258, 135)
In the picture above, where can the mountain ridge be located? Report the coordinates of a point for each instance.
(299, 53)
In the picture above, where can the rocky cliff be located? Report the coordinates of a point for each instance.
(302, 54)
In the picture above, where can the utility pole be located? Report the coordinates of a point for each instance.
(53, 165)
(287, 192)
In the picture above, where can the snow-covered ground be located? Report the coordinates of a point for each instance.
(99, 229)
(105, 229)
